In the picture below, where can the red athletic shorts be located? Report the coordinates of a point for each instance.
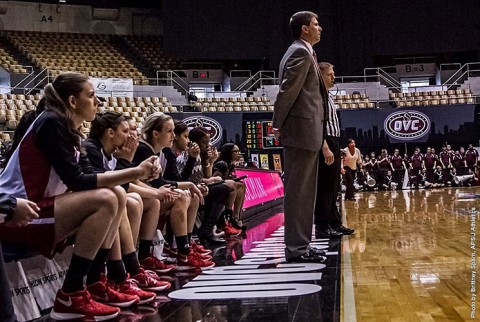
(38, 237)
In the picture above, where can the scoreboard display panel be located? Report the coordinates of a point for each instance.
(259, 135)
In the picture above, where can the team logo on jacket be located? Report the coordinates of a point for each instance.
(212, 126)
(407, 125)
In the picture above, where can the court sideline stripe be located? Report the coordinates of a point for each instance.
(349, 310)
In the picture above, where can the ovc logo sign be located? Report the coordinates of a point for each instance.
(407, 125)
(212, 126)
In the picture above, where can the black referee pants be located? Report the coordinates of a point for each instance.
(328, 185)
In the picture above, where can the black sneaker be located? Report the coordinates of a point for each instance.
(237, 223)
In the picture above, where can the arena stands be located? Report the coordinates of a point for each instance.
(234, 104)
(90, 54)
(426, 98)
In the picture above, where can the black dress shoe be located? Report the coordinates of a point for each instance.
(344, 230)
(328, 233)
(316, 251)
(308, 257)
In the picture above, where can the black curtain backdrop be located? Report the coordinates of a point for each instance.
(356, 33)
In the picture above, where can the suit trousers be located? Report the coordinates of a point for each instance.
(299, 202)
(328, 184)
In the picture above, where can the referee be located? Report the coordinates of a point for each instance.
(328, 220)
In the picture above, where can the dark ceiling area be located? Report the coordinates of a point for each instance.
(106, 3)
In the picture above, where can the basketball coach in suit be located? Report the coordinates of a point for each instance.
(298, 121)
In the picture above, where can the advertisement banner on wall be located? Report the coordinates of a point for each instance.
(264, 161)
(427, 124)
(277, 162)
(113, 87)
(255, 160)
(262, 186)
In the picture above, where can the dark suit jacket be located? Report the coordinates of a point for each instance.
(300, 104)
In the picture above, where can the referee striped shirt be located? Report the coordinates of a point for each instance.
(332, 124)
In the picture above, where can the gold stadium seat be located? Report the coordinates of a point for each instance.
(12, 124)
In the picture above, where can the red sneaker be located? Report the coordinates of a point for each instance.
(154, 264)
(102, 292)
(230, 231)
(199, 248)
(129, 286)
(170, 253)
(146, 282)
(192, 261)
(203, 257)
(152, 274)
(80, 305)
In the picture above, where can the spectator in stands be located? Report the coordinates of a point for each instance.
(95, 199)
(299, 112)
(328, 220)
(351, 158)
(192, 97)
(18, 212)
(158, 133)
(224, 167)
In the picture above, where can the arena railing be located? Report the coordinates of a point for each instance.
(172, 78)
(383, 73)
(258, 79)
(464, 72)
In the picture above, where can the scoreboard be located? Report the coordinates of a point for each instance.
(259, 135)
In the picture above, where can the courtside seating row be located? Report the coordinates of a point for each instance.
(427, 98)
